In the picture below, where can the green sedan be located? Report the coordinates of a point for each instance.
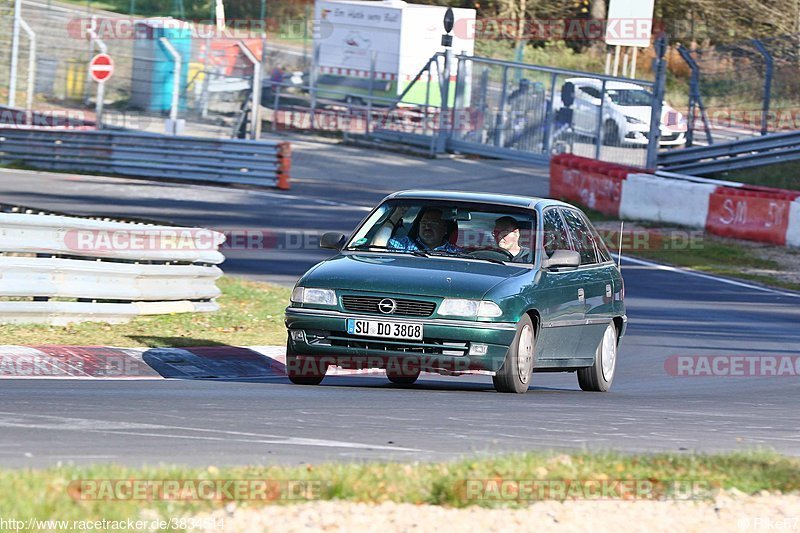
(461, 283)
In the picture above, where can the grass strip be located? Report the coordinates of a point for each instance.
(251, 313)
(54, 493)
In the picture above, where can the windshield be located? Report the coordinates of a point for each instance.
(466, 231)
(630, 97)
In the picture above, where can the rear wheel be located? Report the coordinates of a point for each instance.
(303, 370)
(515, 374)
(599, 376)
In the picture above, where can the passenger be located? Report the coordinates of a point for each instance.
(433, 234)
(506, 233)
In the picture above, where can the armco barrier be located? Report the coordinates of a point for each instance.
(58, 269)
(722, 208)
(148, 155)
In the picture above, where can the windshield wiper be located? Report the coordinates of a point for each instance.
(360, 247)
(368, 246)
(467, 256)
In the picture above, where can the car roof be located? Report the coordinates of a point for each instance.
(510, 200)
(618, 85)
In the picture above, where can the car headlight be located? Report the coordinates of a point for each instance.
(469, 308)
(633, 120)
(302, 295)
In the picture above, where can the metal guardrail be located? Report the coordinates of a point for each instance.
(757, 151)
(148, 155)
(59, 269)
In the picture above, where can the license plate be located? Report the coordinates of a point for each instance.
(381, 328)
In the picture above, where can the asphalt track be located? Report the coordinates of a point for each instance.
(268, 420)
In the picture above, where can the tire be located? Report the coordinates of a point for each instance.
(515, 374)
(599, 376)
(301, 373)
(402, 379)
(610, 133)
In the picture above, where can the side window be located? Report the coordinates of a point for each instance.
(581, 236)
(555, 234)
(591, 91)
(602, 250)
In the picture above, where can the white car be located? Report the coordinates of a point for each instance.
(626, 113)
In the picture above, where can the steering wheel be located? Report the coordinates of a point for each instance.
(490, 252)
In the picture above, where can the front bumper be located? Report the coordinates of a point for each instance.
(445, 346)
(638, 135)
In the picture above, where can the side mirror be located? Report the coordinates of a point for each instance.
(332, 240)
(562, 259)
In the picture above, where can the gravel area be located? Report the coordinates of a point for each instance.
(730, 511)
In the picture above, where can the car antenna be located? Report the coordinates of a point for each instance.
(619, 255)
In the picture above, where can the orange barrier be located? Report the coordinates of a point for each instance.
(284, 165)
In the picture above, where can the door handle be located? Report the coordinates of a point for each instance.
(581, 295)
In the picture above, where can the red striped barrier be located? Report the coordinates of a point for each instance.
(761, 214)
(755, 214)
(595, 184)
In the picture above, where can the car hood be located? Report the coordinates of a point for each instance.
(411, 275)
(639, 112)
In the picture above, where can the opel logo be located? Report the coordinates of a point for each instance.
(387, 306)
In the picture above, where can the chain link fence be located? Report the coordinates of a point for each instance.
(215, 78)
(471, 105)
(744, 89)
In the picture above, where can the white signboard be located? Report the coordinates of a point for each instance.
(349, 34)
(630, 23)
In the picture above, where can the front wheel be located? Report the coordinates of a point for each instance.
(303, 370)
(403, 378)
(610, 133)
(515, 374)
(599, 376)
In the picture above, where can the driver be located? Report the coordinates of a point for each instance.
(506, 234)
(432, 235)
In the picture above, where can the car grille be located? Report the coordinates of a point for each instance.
(369, 304)
(429, 347)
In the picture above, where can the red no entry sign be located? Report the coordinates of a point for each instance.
(101, 67)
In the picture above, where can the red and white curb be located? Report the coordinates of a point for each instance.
(221, 362)
(105, 362)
